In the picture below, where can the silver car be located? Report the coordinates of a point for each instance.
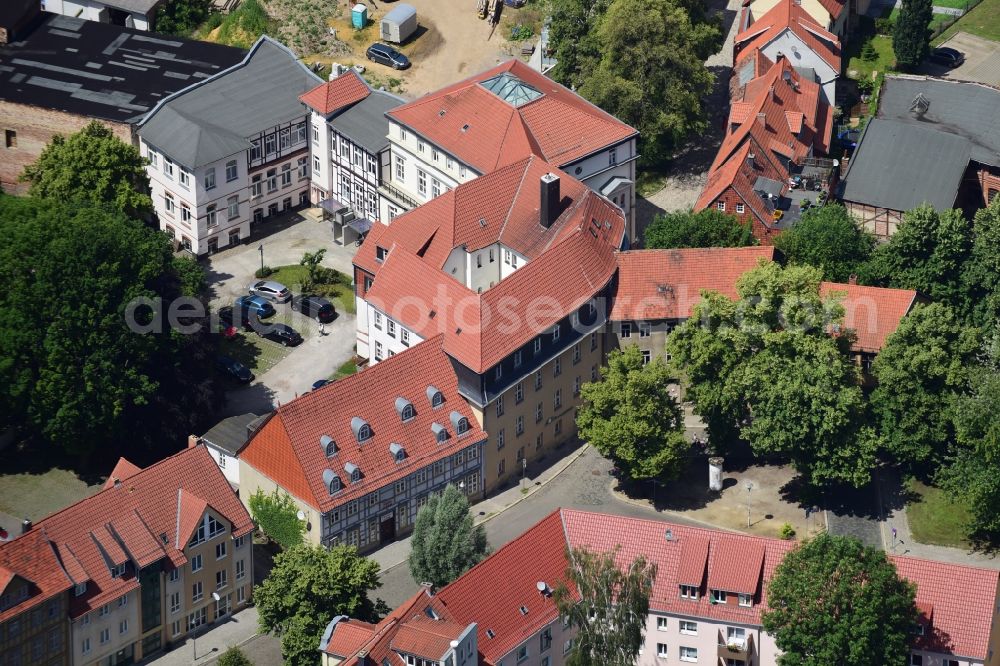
(271, 290)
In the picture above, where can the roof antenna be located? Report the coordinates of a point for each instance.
(920, 105)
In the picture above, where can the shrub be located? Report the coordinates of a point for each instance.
(519, 33)
(264, 272)
(786, 532)
(884, 26)
(234, 657)
(868, 52)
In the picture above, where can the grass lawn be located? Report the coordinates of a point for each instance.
(253, 351)
(934, 518)
(983, 21)
(345, 370)
(338, 290)
(649, 182)
(35, 495)
(858, 69)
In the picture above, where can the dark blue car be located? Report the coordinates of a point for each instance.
(230, 366)
(255, 305)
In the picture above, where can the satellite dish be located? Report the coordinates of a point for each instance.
(541, 585)
(301, 515)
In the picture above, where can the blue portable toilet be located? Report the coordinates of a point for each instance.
(359, 16)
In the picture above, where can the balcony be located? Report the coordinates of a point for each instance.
(394, 193)
(733, 648)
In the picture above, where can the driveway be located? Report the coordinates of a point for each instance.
(319, 356)
(982, 60)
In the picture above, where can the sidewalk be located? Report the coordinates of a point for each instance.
(236, 630)
(904, 544)
(398, 552)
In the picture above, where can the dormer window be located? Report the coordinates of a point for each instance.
(118, 570)
(328, 445)
(397, 451)
(689, 592)
(718, 596)
(459, 423)
(353, 472)
(440, 433)
(381, 253)
(362, 431)
(405, 409)
(435, 396)
(746, 600)
(80, 589)
(332, 481)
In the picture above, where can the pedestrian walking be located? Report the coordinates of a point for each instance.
(322, 328)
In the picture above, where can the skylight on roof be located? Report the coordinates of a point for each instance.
(511, 89)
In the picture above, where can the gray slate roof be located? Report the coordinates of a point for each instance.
(365, 122)
(230, 434)
(214, 119)
(900, 166)
(904, 158)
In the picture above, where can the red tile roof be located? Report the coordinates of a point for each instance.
(347, 89)
(960, 602)
(32, 558)
(740, 175)
(348, 637)
(510, 575)
(736, 567)
(86, 534)
(287, 447)
(787, 15)
(694, 562)
(425, 637)
(873, 313)
(568, 262)
(123, 469)
(484, 131)
(834, 7)
(667, 284)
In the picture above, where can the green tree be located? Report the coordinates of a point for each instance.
(911, 36)
(973, 475)
(234, 657)
(312, 261)
(706, 228)
(764, 368)
(92, 166)
(829, 239)
(922, 371)
(641, 61)
(73, 373)
(181, 17)
(606, 605)
(277, 516)
(927, 253)
(631, 417)
(445, 542)
(981, 273)
(309, 586)
(833, 600)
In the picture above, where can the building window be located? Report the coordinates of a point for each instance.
(316, 165)
(241, 594)
(518, 393)
(689, 591)
(255, 150)
(105, 635)
(175, 602)
(196, 563)
(721, 205)
(745, 600)
(185, 213)
(576, 385)
(400, 168)
(231, 171)
(257, 186)
(626, 329)
(233, 207)
(500, 439)
(391, 328)
(612, 157)
(500, 406)
(153, 159)
(435, 188)
(539, 408)
(545, 640)
(286, 175)
(557, 367)
(184, 178)
(538, 344)
(689, 628)
(196, 592)
(661, 624)
(740, 208)
(168, 204)
(85, 646)
(661, 650)
(421, 183)
(211, 216)
(174, 576)
(557, 399)
(420, 145)
(168, 167)
(123, 627)
(519, 428)
(239, 541)
(221, 578)
(644, 329)
(538, 380)
(646, 356)
(220, 550)
(719, 596)
(689, 654)
(916, 660)
(522, 653)
(272, 180)
(501, 467)
(210, 178)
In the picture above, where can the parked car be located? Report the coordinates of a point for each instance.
(253, 305)
(230, 366)
(388, 56)
(271, 290)
(320, 383)
(947, 56)
(280, 333)
(849, 138)
(315, 307)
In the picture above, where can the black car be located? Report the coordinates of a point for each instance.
(230, 366)
(388, 56)
(286, 335)
(946, 56)
(320, 383)
(315, 307)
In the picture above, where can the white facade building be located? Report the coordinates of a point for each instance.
(138, 14)
(210, 183)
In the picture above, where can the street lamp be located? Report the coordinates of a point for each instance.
(524, 469)
(749, 486)
(194, 634)
(260, 248)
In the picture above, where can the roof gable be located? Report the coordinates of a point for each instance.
(873, 313)
(123, 470)
(343, 91)
(787, 16)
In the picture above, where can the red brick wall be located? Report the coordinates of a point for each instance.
(731, 198)
(359, 282)
(989, 180)
(35, 128)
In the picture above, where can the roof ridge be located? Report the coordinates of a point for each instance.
(528, 161)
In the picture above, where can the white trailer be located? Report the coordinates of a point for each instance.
(399, 24)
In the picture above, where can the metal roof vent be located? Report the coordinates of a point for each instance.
(524, 610)
(490, 633)
(465, 127)
(482, 222)
(669, 534)
(920, 105)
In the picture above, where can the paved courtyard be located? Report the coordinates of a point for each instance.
(982, 60)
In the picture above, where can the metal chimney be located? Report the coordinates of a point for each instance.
(548, 209)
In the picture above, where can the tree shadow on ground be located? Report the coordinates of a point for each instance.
(688, 492)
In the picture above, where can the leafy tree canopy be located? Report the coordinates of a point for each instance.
(981, 275)
(73, 373)
(610, 613)
(640, 60)
(922, 370)
(181, 17)
(911, 36)
(631, 417)
(277, 516)
(309, 586)
(445, 542)
(234, 657)
(828, 238)
(706, 228)
(92, 166)
(766, 369)
(833, 600)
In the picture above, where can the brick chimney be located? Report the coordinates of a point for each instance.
(193, 441)
(853, 279)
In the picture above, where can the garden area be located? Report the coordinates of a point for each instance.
(934, 518)
(982, 21)
(326, 282)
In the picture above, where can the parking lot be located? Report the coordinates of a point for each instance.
(282, 373)
(982, 60)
